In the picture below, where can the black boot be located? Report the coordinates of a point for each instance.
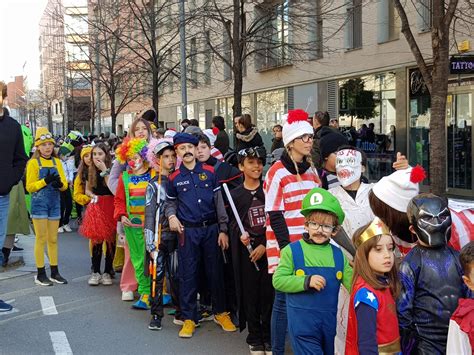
(56, 277)
(42, 279)
(6, 255)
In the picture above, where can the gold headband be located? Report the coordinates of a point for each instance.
(376, 228)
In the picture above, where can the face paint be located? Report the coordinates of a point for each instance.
(348, 166)
(136, 164)
(430, 216)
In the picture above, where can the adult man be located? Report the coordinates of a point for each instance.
(321, 126)
(277, 141)
(195, 209)
(222, 139)
(12, 165)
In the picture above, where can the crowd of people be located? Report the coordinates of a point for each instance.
(308, 250)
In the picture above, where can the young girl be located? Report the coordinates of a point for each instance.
(98, 224)
(373, 323)
(286, 184)
(44, 180)
(80, 181)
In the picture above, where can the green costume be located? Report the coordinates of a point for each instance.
(134, 235)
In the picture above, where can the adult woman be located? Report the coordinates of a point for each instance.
(247, 135)
(286, 183)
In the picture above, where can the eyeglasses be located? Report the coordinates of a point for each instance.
(326, 228)
(306, 138)
(44, 137)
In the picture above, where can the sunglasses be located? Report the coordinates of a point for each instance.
(44, 137)
(255, 152)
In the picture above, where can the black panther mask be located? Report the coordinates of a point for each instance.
(430, 216)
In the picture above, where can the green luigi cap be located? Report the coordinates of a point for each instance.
(319, 199)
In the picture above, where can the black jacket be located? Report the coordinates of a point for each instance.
(250, 138)
(12, 153)
(222, 142)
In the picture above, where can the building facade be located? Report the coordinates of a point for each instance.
(360, 44)
(64, 62)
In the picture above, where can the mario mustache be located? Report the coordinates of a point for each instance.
(188, 155)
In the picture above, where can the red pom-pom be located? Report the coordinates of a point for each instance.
(297, 115)
(215, 131)
(417, 174)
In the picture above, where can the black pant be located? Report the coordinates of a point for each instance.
(66, 207)
(257, 298)
(167, 266)
(97, 257)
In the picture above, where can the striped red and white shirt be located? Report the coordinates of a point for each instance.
(216, 153)
(283, 192)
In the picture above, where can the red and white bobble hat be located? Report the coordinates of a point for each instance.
(397, 189)
(296, 126)
(211, 133)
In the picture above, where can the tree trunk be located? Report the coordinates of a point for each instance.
(155, 95)
(113, 114)
(237, 46)
(50, 119)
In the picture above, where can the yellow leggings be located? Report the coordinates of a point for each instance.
(46, 232)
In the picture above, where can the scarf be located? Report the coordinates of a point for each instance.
(290, 166)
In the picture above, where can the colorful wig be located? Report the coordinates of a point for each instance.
(153, 158)
(130, 147)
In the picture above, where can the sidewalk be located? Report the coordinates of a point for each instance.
(24, 261)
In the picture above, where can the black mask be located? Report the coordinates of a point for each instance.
(430, 216)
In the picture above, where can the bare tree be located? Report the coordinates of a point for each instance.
(435, 75)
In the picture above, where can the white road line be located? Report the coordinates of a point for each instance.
(48, 306)
(60, 343)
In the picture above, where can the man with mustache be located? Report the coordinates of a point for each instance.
(195, 209)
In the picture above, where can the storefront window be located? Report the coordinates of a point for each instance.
(459, 113)
(367, 116)
(271, 106)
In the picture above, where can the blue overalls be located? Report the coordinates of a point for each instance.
(194, 191)
(46, 203)
(312, 315)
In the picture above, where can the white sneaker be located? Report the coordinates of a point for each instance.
(94, 280)
(106, 280)
(60, 230)
(67, 228)
(127, 296)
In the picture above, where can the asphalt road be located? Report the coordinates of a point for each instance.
(80, 319)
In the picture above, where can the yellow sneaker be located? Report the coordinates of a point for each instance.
(187, 330)
(223, 319)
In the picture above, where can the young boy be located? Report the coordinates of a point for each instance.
(310, 272)
(162, 158)
(253, 287)
(461, 329)
(130, 209)
(431, 278)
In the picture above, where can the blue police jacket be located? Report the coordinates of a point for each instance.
(194, 191)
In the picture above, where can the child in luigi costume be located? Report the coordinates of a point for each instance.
(310, 272)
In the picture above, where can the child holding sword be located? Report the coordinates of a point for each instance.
(161, 243)
(253, 282)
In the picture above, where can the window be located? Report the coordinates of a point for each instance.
(56, 109)
(388, 21)
(193, 66)
(227, 51)
(60, 107)
(316, 33)
(353, 30)
(207, 59)
(425, 15)
(272, 43)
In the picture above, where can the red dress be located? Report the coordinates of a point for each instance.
(388, 336)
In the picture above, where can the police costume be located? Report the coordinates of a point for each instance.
(195, 198)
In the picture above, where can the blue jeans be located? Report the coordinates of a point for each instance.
(4, 205)
(279, 324)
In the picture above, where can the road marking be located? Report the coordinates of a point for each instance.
(60, 343)
(48, 306)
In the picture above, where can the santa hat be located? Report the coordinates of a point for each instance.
(295, 126)
(397, 189)
(211, 134)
